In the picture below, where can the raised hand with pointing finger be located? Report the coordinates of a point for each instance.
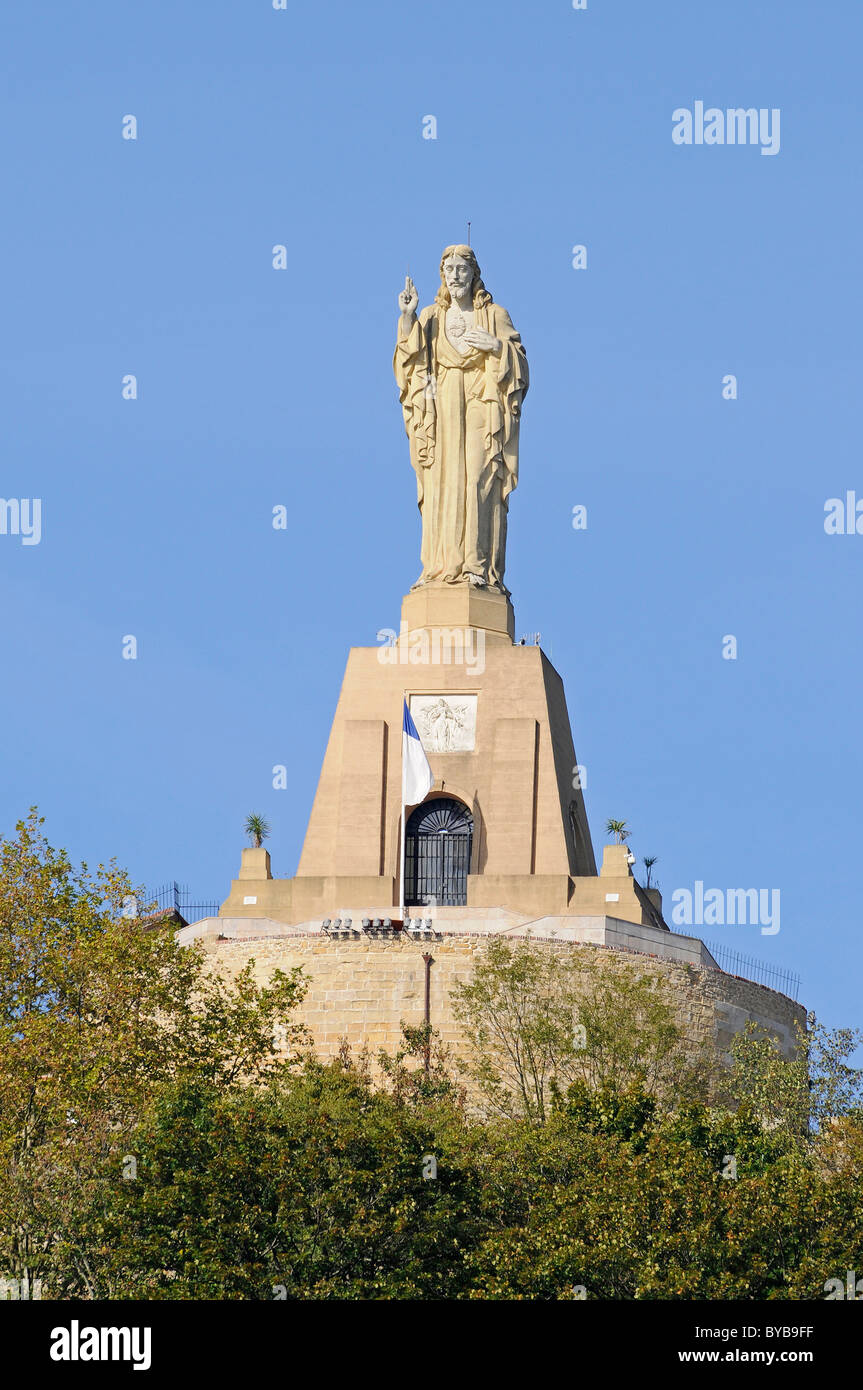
(408, 301)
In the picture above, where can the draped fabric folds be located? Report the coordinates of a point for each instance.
(461, 413)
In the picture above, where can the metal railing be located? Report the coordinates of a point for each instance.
(174, 897)
(737, 963)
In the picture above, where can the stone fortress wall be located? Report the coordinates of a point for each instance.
(361, 989)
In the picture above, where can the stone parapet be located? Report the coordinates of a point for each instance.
(363, 989)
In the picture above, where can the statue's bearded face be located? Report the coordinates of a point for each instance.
(458, 275)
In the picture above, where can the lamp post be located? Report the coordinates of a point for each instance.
(429, 962)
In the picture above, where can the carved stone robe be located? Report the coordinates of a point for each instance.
(461, 413)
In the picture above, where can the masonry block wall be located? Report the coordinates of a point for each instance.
(362, 990)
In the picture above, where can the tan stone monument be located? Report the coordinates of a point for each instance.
(462, 376)
(504, 829)
(500, 845)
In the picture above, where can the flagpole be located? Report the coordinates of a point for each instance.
(402, 854)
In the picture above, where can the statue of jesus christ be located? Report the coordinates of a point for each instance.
(462, 376)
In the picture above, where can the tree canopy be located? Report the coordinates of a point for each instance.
(167, 1134)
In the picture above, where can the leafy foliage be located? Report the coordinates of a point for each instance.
(96, 1015)
(156, 1143)
(538, 1020)
(313, 1189)
(258, 830)
(807, 1090)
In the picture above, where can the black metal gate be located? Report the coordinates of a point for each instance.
(438, 841)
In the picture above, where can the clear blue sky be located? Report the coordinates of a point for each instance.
(257, 387)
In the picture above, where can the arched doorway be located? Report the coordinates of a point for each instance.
(438, 840)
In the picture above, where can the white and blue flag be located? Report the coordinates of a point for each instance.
(417, 776)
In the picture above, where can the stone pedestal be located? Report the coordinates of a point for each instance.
(494, 724)
(255, 864)
(459, 606)
(510, 762)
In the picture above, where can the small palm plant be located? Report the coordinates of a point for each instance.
(257, 829)
(618, 829)
(648, 861)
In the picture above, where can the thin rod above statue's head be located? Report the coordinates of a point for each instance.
(480, 294)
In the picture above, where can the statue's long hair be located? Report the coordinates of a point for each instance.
(481, 295)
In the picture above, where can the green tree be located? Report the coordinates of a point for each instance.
(614, 1200)
(319, 1187)
(155, 1143)
(96, 1014)
(801, 1093)
(537, 1019)
(258, 830)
